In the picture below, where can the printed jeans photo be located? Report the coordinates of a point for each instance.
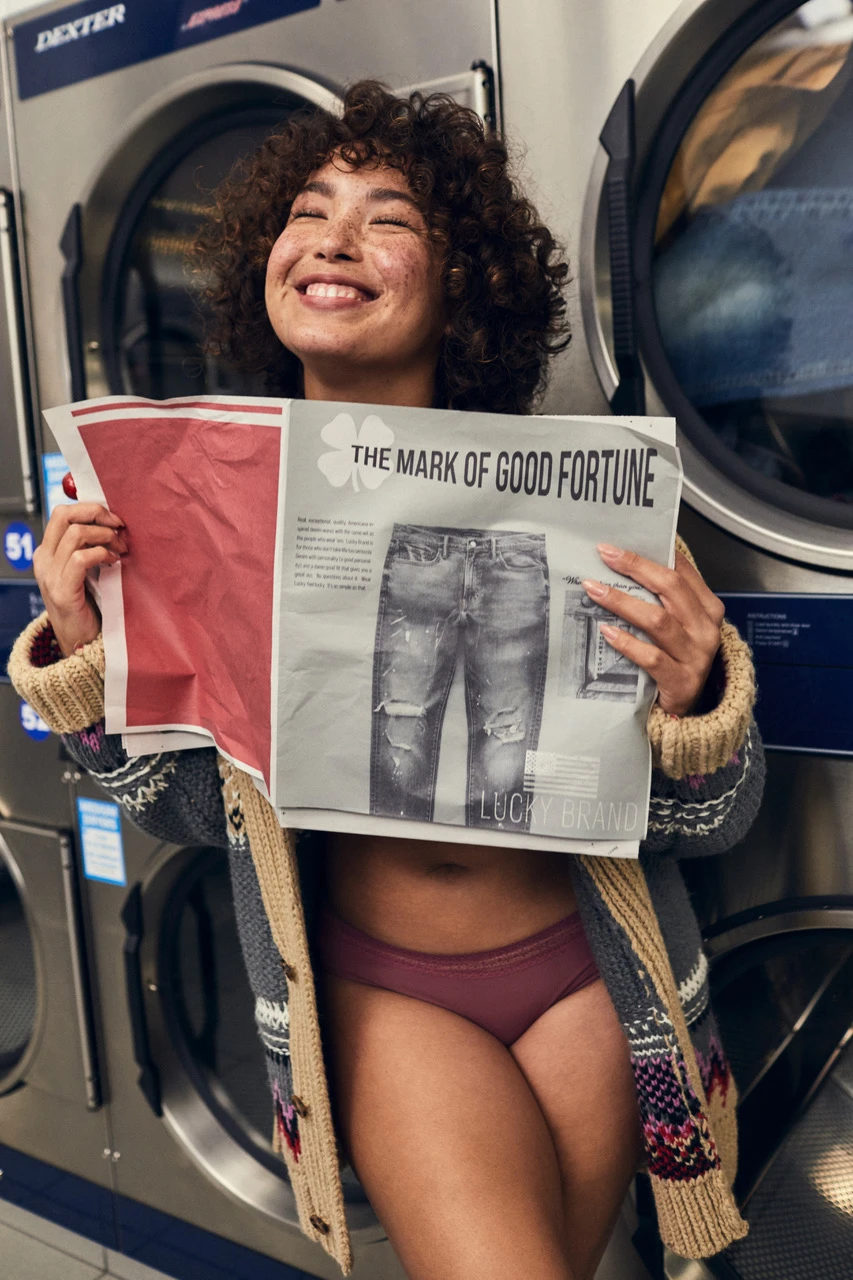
(446, 592)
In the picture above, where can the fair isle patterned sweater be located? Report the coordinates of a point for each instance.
(706, 788)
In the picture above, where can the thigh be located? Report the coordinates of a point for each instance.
(445, 1136)
(575, 1059)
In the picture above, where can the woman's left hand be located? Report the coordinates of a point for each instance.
(684, 628)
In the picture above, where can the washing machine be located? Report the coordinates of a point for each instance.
(696, 160)
(122, 120)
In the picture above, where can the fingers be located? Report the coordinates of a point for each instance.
(672, 588)
(678, 687)
(79, 536)
(684, 627)
(678, 635)
(76, 513)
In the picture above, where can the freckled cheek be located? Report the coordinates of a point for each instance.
(285, 254)
(412, 277)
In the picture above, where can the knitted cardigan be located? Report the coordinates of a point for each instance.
(707, 782)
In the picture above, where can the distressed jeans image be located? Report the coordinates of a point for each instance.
(449, 594)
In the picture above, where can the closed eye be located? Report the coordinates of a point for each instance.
(394, 222)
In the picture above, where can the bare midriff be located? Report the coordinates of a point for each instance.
(445, 898)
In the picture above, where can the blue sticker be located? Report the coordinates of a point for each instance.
(804, 668)
(54, 467)
(19, 544)
(32, 723)
(84, 40)
(100, 838)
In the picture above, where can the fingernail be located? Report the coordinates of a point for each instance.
(609, 633)
(593, 588)
(607, 551)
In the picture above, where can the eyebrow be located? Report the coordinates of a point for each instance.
(380, 194)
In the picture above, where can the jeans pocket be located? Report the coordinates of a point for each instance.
(408, 551)
(519, 559)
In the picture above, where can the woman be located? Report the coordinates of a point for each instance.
(495, 1123)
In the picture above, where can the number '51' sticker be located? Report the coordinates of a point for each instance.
(19, 545)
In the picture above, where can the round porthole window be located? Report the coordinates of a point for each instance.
(18, 993)
(153, 326)
(751, 270)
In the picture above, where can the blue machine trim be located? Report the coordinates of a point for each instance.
(156, 1239)
(804, 664)
(85, 40)
(20, 602)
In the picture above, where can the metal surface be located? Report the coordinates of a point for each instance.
(802, 1214)
(669, 63)
(16, 343)
(79, 972)
(45, 1100)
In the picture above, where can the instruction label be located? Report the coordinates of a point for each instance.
(804, 666)
(99, 822)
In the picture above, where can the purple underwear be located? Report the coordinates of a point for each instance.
(504, 990)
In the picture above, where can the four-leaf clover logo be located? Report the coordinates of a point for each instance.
(341, 464)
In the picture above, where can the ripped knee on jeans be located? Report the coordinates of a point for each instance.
(403, 711)
(507, 725)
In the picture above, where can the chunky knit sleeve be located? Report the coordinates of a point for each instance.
(708, 775)
(173, 795)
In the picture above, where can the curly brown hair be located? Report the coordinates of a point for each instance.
(503, 273)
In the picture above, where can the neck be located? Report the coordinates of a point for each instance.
(414, 388)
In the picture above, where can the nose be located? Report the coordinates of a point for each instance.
(339, 241)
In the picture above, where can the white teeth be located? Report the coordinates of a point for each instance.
(332, 291)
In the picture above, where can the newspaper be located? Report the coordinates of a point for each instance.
(378, 612)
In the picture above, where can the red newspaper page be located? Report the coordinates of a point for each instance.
(197, 484)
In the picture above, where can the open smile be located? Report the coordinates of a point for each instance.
(329, 294)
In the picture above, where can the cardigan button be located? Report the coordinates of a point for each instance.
(300, 1107)
(288, 970)
(319, 1224)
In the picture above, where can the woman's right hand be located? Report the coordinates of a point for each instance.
(77, 537)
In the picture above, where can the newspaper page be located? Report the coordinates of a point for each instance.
(435, 651)
(378, 613)
(188, 617)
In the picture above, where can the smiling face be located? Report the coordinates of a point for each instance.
(353, 286)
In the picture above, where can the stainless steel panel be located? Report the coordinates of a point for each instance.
(32, 786)
(18, 484)
(48, 1114)
(801, 844)
(666, 65)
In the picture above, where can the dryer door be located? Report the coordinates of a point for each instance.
(133, 324)
(49, 1079)
(740, 295)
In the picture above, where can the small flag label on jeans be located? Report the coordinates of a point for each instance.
(547, 773)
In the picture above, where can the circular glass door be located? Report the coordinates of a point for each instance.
(152, 324)
(752, 271)
(728, 156)
(18, 994)
(209, 1005)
